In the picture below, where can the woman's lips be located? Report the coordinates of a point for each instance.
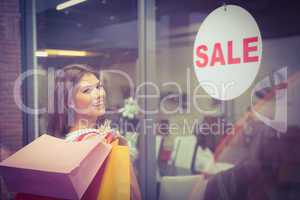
(101, 103)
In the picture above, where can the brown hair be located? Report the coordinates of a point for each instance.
(62, 116)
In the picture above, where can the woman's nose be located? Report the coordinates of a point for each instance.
(102, 93)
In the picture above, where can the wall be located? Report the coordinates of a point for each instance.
(10, 66)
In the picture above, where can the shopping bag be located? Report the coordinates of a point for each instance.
(23, 196)
(54, 167)
(115, 182)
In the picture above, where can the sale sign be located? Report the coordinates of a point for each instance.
(227, 52)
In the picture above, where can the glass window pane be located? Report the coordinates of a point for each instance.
(102, 34)
(194, 135)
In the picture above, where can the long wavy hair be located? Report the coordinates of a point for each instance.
(61, 117)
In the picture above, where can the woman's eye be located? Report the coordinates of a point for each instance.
(87, 90)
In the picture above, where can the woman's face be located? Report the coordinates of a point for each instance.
(89, 97)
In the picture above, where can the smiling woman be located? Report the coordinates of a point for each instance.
(88, 101)
(79, 99)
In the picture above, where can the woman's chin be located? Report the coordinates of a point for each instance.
(100, 112)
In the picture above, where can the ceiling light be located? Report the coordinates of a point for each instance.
(41, 54)
(58, 52)
(64, 53)
(68, 4)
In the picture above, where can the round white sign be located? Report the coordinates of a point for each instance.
(227, 52)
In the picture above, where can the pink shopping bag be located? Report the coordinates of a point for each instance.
(54, 167)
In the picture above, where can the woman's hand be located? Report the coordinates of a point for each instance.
(111, 137)
(122, 140)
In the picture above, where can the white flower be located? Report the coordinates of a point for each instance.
(130, 109)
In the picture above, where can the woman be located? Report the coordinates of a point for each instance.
(78, 110)
(79, 102)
